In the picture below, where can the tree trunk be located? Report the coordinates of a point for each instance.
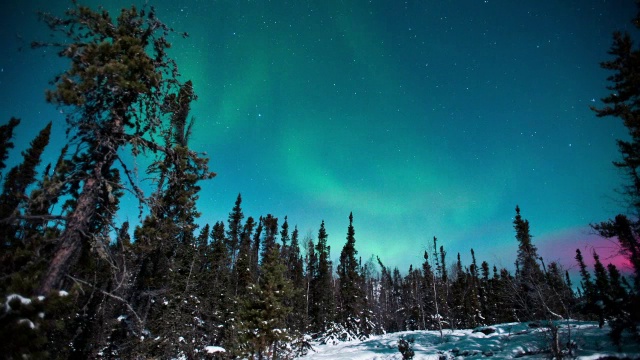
(77, 229)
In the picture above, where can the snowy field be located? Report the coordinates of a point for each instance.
(508, 341)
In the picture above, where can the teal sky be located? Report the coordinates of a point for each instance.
(424, 118)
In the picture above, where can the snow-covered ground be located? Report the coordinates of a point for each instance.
(507, 342)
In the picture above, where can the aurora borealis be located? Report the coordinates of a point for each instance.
(424, 118)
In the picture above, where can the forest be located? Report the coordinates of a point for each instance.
(76, 284)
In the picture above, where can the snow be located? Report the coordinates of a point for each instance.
(507, 342)
(62, 293)
(23, 300)
(28, 322)
(213, 349)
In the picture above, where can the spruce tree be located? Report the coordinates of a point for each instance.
(623, 102)
(285, 239)
(234, 231)
(529, 276)
(263, 312)
(429, 300)
(311, 273)
(217, 283)
(255, 251)
(16, 253)
(6, 135)
(297, 319)
(602, 290)
(165, 242)
(20, 177)
(323, 305)
(352, 304)
(385, 300)
(412, 296)
(242, 271)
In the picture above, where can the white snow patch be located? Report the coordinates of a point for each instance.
(29, 323)
(10, 298)
(213, 349)
(62, 293)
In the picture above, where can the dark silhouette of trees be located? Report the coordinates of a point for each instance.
(623, 102)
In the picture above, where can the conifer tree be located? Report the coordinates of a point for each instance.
(234, 231)
(165, 242)
(623, 102)
(412, 299)
(16, 253)
(264, 310)
(429, 301)
(601, 287)
(322, 308)
(20, 177)
(385, 300)
(441, 283)
(47, 193)
(6, 135)
(285, 239)
(217, 282)
(118, 78)
(255, 251)
(587, 285)
(484, 295)
(351, 297)
(529, 277)
(242, 271)
(311, 273)
(297, 319)
(460, 294)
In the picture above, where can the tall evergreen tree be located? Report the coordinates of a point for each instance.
(15, 254)
(117, 81)
(166, 244)
(255, 251)
(242, 271)
(264, 310)
(20, 177)
(6, 135)
(234, 231)
(311, 273)
(295, 273)
(351, 298)
(23, 175)
(217, 282)
(323, 306)
(386, 301)
(602, 290)
(429, 301)
(623, 102)
(285, 239)
(529, 277)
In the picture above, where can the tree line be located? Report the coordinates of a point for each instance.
(76, 284)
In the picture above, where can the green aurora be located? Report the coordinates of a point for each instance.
(424, 118)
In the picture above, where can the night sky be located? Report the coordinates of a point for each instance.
(424, 118)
